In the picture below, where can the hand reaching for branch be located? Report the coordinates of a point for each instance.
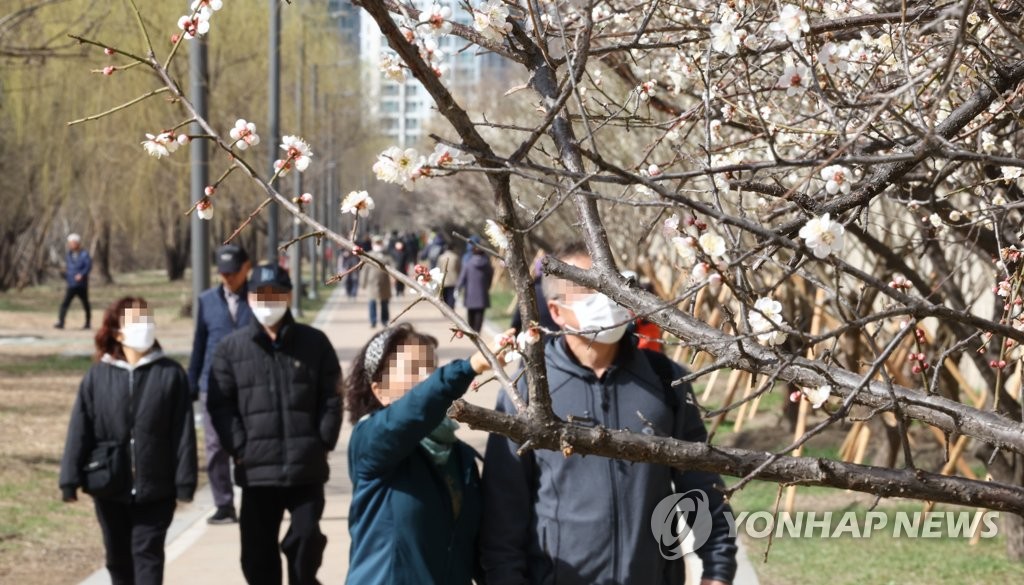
(479, 362)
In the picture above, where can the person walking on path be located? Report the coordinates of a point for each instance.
(378, 282)
(450, 263)
(574, 520)
(347, 262)
(475, 284)
(220, 311)
(415, 511)
(276, 406)
(79, 264)
(131, 443)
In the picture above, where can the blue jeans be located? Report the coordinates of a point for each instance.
(384, 315)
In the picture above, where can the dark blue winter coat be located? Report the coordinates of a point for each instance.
(401, 520)
(213, 323)
(78, 263)
(475, 281)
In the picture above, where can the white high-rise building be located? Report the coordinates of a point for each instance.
(404, 109)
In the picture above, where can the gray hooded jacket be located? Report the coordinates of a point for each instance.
(550, 519)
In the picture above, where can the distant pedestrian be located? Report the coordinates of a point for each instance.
(221, 310)
(400, 257)
(378, 284)
(449, 262)
(131, 443)
(346, 263)
(415, 511)
(543, 314)
(275, 401)
(79, 264)
(433, 250)
(475, 284)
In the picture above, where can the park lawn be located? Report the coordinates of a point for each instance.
(879, 559)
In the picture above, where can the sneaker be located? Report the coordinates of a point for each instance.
(58, 325)
(223, 515)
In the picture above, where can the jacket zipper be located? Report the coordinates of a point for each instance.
(606, 407)
(276, 388)
(131, 422)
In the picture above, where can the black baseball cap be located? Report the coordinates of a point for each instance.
(230, 258)
(270, 275)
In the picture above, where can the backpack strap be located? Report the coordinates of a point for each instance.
(664, 368)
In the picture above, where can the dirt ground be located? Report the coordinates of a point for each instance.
(44, 541)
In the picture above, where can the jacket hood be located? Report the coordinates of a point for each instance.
(155, 354)
(558, 356)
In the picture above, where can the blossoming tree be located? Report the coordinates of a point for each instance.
(866, 153)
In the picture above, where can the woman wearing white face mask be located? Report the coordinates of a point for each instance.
(131, 443)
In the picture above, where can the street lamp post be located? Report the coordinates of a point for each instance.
(274, 114)
(200, 171)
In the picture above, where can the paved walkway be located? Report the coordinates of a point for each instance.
(200, 554)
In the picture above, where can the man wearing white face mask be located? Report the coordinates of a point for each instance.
(276, 406)
(580, 520)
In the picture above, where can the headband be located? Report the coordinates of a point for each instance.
(375, 351)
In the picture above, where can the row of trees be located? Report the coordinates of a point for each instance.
(855, 160)
(94, 179)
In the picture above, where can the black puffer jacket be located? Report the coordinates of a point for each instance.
(276, 406)
(155, 393)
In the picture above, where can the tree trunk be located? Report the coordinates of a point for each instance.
(1007, 467)
(177, 239)
(101, 251)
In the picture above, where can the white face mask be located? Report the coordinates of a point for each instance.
(597, 314)
(269, 312)
(139, 336)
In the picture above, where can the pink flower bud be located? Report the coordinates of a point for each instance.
(209, 190)
(459, 334)
(108, 51)
(306, 198)
(174, 38)
(794, 396)
(109, 70)
(916, 369)
(357, 250)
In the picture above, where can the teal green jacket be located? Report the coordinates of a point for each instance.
(401, 520)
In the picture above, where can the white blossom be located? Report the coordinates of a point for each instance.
(765, 320)
(833, 57)
(725, 37)
(791, 25)
(686, 247)
(817, 396)
(670, 227)
(823, 236)
(357, 203)
(392, 68)
(497, 235)
(712, 244)
(244, 134)
(435, 19)
(160, 145)
(298, 155)
(491, 20)
(795, 79)
(398, 166)
(194, 25)
(837, 179)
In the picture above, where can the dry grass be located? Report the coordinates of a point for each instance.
(42, 540)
